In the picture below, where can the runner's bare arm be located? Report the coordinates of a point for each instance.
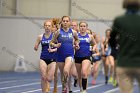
(93, 42)
(76, 42)
(37, 42)
(54, 39)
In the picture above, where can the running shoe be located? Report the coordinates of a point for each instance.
(70, 92)
(115, 84)
(64, 90)
(48, 88)
(83, 92)
(93, 82)
(110, 80)
(55, 90)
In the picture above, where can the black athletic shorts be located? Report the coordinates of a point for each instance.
(48, 61)
(80, 59)
(114, 52)
(95, 59)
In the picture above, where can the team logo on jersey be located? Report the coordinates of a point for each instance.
(85, 39)
(46, 41)
(70, 35)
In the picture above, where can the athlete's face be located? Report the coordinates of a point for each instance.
(74, 26)
(97, 38)
(48, 26)
(108, 34)
(83, 27)
(93, 33)
(66, 22)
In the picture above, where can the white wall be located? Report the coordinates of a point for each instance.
(18, 33)
(18, 36)
(5, 5)
(106, 9)
(47, 8)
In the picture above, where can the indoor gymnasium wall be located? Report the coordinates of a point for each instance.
(105, 9)
(19, 32)
(18, 36)
(45, 8)
(83, 9)
(5, 5)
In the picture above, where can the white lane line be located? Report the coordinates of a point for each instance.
(32, 91)
(39, 89)
(18, 91)
(112, 90)
(116, 89)
(3, 82)
(21, 85)
(90, 87)
(14, 78)
(8, 81)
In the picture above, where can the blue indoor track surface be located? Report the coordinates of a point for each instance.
(13, 82)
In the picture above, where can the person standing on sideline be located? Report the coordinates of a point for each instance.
(127, 28)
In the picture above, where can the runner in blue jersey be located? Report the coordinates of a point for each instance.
(82, 56)
(66, 38)
(73, 72)
(47, 58)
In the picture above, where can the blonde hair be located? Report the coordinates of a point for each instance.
(48, 21)
(75, 21)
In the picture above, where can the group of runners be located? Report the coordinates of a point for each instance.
(77, 52)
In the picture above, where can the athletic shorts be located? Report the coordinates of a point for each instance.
(107, 53)
(80, 59)
(91, 60)
(62, 59)
(49, 61)
(95, 59)
(114, 52)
